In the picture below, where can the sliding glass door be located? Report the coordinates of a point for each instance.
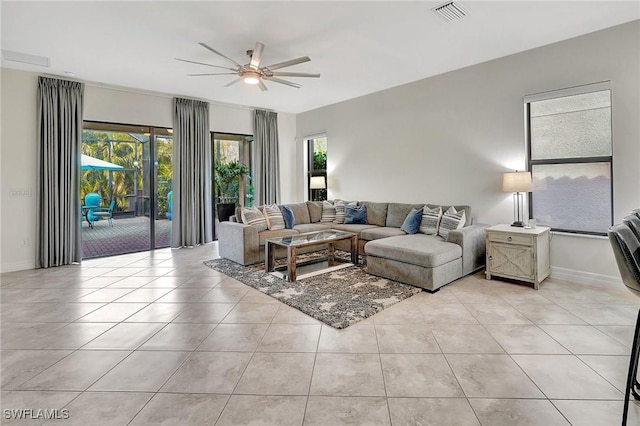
(128, 169)
(163, 142)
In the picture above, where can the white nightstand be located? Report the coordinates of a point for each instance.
(518, 253)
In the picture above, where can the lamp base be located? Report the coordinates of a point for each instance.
(518, 223)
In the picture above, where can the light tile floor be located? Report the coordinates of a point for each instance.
(159, 338)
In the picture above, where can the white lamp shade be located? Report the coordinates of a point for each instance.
(517, 182)
(317, 182)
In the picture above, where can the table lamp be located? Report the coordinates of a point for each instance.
(517, 182)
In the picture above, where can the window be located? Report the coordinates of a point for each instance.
(570, 158)
(317, 166)
(232, 184)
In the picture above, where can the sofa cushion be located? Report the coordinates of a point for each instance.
(398, 212)
(428, 251)
(328, 212)
(300, 213)
(380, 232)
(377, 213)
(353, 214)
(312, 227)
(356, 228)
(412, 221)
(255, 217)
(430, 220)
(265, 235)
(315, 211)
(274, 218)
(287, 216)
(451, 219)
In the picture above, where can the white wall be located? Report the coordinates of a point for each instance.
(448, 139)
(287, 158)
(18, 161)
(18, 154)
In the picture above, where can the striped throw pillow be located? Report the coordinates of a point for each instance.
(274, 218)
(253, 216)
(451, 220)
(339, 205)
(328, 212)
(430, 221)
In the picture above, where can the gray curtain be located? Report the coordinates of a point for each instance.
(192, 222)
(59, 217)
(266, 167)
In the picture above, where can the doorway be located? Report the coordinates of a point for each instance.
(134, 188)
(231, 174)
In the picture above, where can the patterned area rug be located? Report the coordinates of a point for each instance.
(339, 298)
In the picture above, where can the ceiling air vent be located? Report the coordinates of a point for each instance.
(451, 11)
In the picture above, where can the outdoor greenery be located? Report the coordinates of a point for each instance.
(127, 150)
(230, 154)
(227, 180)
(320, 160)
(319, 166)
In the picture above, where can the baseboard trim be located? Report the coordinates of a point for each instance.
(16, 266)
(584, 277)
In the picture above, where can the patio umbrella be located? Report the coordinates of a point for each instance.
(91, 163)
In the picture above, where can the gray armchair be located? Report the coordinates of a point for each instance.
(626, 249)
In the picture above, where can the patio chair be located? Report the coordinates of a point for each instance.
(97, 214)
(169, 204)
(91, 202)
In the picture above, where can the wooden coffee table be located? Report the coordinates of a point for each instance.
(310, 239)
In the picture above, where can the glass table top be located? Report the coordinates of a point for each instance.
(311, 238)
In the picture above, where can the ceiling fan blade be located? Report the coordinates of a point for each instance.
(233, 82)
(294, 74)
(220, 54)
(215, 73)
(279, 80)
(262, 86)
(256, 56)
(202, 63)
(288, 63)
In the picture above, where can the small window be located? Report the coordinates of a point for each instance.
(570, 158)
(317, 166)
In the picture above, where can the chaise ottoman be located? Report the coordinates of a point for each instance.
(425, 261)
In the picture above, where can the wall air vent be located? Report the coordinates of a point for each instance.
(25, 58)
(451, 11)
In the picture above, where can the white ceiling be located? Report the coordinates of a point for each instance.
(358, 47)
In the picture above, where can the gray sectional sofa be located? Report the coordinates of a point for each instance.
(426, 261)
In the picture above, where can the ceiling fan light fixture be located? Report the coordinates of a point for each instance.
(252, 78)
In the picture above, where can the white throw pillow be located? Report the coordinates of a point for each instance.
(452, 219)
(430, 220)
(273, 216)
(328, 212)
(253, 216)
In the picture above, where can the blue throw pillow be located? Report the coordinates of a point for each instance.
(287, 215)
(411, 223)
(355, 214)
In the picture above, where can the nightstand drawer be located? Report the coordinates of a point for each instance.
(499, 237)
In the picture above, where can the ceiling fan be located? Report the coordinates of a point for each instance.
(253, 73)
